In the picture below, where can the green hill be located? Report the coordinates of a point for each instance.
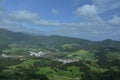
(10, 37)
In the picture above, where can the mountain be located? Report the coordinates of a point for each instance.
(10, 37)
(7, 36)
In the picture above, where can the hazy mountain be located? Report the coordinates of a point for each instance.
(7, 36)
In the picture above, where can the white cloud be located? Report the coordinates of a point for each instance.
(46, 22)
(90, 13)
(93, 27)
(106, 5)
(87, 10)
(12, 23)
(115, 21)
(24, 15)
(55, 11)
(32, 18)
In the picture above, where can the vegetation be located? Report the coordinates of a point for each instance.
(64, 58)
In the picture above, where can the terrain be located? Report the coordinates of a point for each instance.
(32, 57)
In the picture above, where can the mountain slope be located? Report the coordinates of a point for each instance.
(7, 36)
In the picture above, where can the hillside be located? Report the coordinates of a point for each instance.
(10, 37)
(57, 58)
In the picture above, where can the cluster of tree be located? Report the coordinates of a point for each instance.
(46, 69)
(3, 46)
(108, 57)
(105, 66)
(70, 47)
(22, 74)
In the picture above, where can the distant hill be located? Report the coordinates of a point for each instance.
(9, 37)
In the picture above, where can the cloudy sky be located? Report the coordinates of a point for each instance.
(88, 19)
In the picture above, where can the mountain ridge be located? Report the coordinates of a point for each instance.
(9, 37)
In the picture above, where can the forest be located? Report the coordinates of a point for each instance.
(29, 57)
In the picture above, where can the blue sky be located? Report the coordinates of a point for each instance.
(88, 19)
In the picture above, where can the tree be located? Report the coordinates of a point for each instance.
(43, 77)
(2, 47)
(108, 57)
(70, 47)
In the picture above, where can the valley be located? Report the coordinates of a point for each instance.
(28, 57)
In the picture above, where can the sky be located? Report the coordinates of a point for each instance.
(89, 19)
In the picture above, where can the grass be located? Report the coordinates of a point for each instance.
(81, 54)
(57, 77)
(26, 63)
